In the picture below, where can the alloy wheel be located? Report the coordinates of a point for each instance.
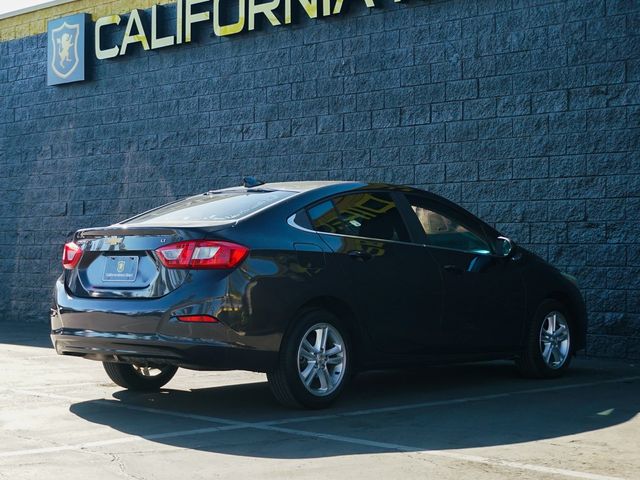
(146, 372)
(322, 359)
(555, 340)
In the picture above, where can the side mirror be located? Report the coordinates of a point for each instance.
(504, 246)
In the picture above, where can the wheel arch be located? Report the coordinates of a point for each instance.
(337, 307)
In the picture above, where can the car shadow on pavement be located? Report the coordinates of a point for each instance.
(26, 334)
(454, 407)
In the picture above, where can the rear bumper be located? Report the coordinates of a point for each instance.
(159, 350)
(146, 331)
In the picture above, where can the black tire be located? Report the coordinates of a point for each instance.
(127, 376)
(531, 362)
(285, 381)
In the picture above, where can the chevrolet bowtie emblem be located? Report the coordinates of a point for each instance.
(113, 240)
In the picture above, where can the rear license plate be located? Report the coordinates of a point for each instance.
(120, 269)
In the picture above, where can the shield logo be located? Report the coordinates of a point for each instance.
(120, 266)
(65, 49)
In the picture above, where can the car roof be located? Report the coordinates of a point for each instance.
(301, 186)
(346, 186)
(339, 186)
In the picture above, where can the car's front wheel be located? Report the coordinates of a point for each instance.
(314, 364)
(548, 350)
(141, 378)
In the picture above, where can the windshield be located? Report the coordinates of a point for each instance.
(212, 207)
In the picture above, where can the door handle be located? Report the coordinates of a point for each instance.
(453, 269)
(360, 255)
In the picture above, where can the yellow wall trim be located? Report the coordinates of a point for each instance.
(35, 22)
(32, 8)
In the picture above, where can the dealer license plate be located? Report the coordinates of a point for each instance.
(120, 269)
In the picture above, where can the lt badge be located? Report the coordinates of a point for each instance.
(66, 41)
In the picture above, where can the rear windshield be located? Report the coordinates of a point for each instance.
(212, 207)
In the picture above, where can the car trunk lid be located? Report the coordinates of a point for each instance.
(121, 262)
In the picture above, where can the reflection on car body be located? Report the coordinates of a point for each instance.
(309, 282)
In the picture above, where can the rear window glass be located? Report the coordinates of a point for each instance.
(212, 207)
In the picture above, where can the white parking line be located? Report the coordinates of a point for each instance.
(272, 426)
(369, 411)
(59, 386)
(116, 441)
(156, 411)
(454, 401)
(495, 462)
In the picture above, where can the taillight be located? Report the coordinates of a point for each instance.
(201, 254)
(71, 255)
(197, 318)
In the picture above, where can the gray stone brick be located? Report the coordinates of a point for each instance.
(415, 115)
(430, 134)
(628, 94)
(418, 75)
(386, 156)
(330, 123)
(462, 90)
(591, 232)
(514, 105)
(587, 52)
(567, 122)
(536, 167)
(431, 93)
(496, 170)
(605, 73)
(446, 71)
(528, 112)
(357, 121)
(370, 101)
(279, 129)
(528, 82)
(481, 108)
(388, 137)
(342, 104)
(495, 128)
(615, 7)
(461, 172)
(549, 102)
(462, 131)
(303, 126)
(389, 117)
(478, 67)
(398, 97)
(496, 86)
(584, 98)
(446, 112)
(430, 173)
(531, 125)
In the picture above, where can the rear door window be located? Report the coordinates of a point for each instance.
(444, 231)
(212, 207)
(369, 215)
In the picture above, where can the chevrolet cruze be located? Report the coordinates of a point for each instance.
(309, 282)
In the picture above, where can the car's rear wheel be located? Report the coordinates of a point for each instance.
(314, 364)
(548, 350)
(139, 377)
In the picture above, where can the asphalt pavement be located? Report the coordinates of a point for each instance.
(61, 417)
